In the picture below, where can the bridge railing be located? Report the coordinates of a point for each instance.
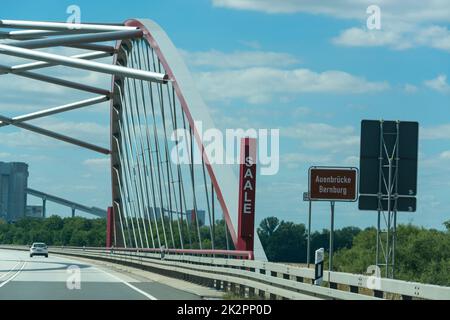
(232, 271)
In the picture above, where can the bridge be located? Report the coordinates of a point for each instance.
(71, 204)
(162, 178)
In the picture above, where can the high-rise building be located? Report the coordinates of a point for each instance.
(13, 186)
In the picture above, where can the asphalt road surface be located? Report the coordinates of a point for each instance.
(61, 278)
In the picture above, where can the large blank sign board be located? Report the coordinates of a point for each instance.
(384, 139)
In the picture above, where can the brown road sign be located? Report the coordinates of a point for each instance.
(333, 183)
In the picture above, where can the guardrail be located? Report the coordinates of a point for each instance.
(256, 278)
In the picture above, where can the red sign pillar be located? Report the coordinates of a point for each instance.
(247, 193)
(110, 227)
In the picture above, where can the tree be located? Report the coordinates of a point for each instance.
(447, 225)
(283, 241)
(421, 255)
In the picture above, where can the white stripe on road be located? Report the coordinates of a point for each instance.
(13, 268)
(15, 275)
(149, 296)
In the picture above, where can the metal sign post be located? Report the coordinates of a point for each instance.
(388, 180)
(308, 246)
(330, 265)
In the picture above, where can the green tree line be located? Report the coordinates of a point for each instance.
(422, 255)
(55, 230)
(80, 231)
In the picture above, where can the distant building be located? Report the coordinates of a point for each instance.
(200, 215)
(34, 211)
(13, 195)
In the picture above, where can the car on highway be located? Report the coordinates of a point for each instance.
(39, 249)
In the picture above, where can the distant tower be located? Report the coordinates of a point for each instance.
(13, 195)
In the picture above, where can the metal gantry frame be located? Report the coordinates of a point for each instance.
(387, 220)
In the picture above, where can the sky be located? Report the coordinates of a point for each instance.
(310, 68)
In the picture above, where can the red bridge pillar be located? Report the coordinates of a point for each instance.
(110, 227)
(247, 193)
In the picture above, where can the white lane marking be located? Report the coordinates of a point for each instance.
(15, 275)
(149, 296)
(12, 269)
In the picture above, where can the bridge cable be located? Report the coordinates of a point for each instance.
(148, 148)
(191, 165)
(158, 160)
(126, 178)
(150, 154)
(135, 163)
(126, 196)
(131, 167)
(123, 195)
(142, 175)
(171, 173)
(179, 172)
(207, 201)
(166, 149)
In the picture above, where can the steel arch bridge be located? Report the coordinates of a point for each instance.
(158, 200)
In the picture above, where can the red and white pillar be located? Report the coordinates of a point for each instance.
(247, 194)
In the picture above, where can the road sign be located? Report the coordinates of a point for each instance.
(305, 196)
(318, 269)
(388, 145)
(333, 183)
(405, 204)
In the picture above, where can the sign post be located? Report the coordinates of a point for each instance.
(318, 266)
(333, 184)
(308, 247)
(330, 260)
(388, 179)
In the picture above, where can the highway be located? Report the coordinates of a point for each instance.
(62, 278)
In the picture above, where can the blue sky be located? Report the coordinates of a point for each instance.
(308, 68)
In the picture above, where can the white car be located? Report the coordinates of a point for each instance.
(38, 249)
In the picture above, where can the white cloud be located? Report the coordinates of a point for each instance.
(435, 36)
(261, 85)
(396, 36)
(352, 161)
(409, 88)
(238, 59)
(436, 132)
(98, 163)
(322, 136)
(445, 155)
(403, 24)
(297, 160)
(439, 84)
(412, 10)
(359, 37)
